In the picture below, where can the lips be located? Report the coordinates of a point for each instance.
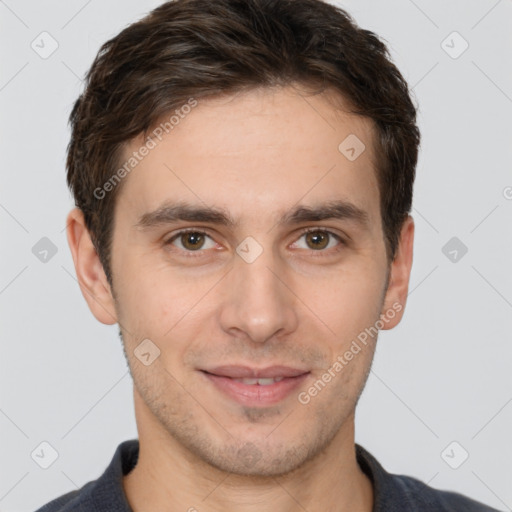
(256, 387)
(246, 372)
(262, 382)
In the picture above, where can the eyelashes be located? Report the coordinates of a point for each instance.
(317, 233)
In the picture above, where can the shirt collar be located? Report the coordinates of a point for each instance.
(108, 493)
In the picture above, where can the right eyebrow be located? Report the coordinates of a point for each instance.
(169, 213)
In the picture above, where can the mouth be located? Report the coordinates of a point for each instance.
(256, 387)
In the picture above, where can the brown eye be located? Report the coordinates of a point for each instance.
(320, 241)
(317, 239)
(191, 241)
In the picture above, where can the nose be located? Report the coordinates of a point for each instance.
(257, 302)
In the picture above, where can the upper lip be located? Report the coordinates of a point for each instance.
(246, 372)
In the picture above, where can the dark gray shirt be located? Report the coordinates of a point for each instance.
(392, 493)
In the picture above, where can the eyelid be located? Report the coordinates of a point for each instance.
(323, 230)
(310, 229)
(174, 236)
(342, 241)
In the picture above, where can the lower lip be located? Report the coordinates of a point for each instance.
(254, 394)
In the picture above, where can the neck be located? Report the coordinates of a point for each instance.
(169, 477)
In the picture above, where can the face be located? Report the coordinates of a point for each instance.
(276, 277)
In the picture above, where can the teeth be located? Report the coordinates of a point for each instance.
(261, 382)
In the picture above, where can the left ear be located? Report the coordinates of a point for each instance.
(399, 273)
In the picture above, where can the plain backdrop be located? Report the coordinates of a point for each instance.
(441, 386)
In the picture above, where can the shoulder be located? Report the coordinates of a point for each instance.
(396, 493)
(422, 497)
(106, 493)
(71, 501)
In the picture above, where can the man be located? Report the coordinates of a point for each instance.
(243, 174)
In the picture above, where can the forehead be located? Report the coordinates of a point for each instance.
(257, 153)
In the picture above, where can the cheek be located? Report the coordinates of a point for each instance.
(347, 301)
(145, 294)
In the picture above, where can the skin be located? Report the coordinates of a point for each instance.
(256, 155)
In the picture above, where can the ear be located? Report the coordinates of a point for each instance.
(399, 273)
(89, 270)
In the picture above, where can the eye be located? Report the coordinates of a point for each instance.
(191, 240)
(319, 240)
(316, 240)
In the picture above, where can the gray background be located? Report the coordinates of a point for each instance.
(442, 375)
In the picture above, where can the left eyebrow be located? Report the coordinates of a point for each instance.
(182, 211)
(340, 210)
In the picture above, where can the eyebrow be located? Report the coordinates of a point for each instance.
(183, 211)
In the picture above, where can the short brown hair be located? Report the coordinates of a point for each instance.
(198, 48)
